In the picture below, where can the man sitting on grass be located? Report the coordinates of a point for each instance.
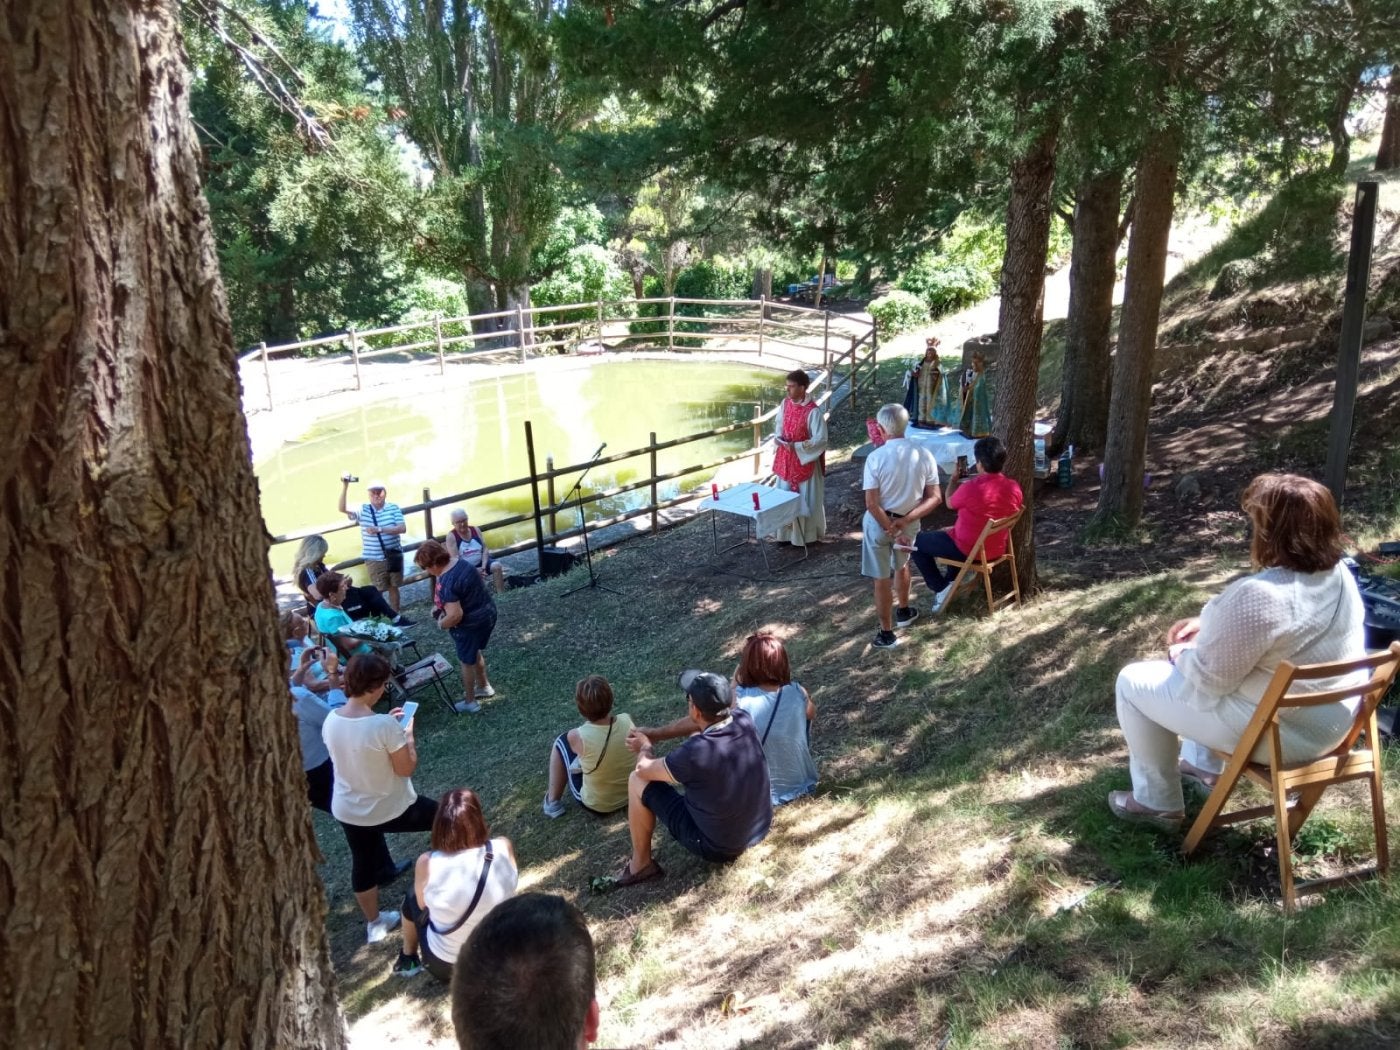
(726, 807)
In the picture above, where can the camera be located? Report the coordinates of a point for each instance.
(349, 478)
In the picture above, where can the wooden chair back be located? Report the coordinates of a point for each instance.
(976, 563)
(1295, 789)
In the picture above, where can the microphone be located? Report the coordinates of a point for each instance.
(600, 450)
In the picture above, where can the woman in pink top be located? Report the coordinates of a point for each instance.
(987, 495)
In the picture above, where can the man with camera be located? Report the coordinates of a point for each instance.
(381, 524)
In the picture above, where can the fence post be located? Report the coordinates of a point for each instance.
(600, 322)
(757, 442)
(520, 329)
(762, 310)
(851, 377)
(437, 338)
(355, 357)
(671, 326)
(267, 374)
(535, 497)
(427, 514)
(655, 521)
(826, 341)
(549, 492)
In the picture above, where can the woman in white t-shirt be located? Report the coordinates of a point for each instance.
(454, 887)
(374, 756)
(782, 713)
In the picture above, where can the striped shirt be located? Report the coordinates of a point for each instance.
(372, 547)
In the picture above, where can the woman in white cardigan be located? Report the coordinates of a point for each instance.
(1301, 605)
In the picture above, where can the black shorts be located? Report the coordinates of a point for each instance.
(471, 638)
(669, 806)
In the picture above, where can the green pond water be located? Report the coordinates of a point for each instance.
(455, 439)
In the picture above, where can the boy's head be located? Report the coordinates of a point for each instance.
(594, 697)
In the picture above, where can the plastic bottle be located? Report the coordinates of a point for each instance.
(1041, 464)
(1066, 468)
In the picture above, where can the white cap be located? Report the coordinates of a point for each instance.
(377, 485)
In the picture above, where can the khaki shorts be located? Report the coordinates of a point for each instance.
(380, 576)
(878, 558)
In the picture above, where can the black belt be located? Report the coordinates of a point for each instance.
(893, 514)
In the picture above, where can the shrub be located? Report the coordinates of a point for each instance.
(963, 270)
(898, 312)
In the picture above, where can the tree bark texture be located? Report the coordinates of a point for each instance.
(1084, 391)
(1388, 153)
(1337, 118)
(1125, 457)
(1021, 324)
(157, 873)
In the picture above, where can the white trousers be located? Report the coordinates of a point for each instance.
(1156, 706)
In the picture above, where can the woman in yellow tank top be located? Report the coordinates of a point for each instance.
(592, 761)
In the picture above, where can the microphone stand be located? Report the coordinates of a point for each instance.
(577, 490)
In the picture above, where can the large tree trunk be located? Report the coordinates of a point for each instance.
(1388, 153)
(1337, 118)
(159, 884)
(1021, 325)
(1084, 389)
(1120, 500)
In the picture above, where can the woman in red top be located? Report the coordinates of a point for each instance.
(986, 496)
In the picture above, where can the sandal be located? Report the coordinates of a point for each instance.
(1121, 801)
(626, 877)
(1198, 778)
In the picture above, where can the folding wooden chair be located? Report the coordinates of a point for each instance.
(976, 563)
(1306, 781)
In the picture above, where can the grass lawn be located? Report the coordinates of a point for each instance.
(957, 880)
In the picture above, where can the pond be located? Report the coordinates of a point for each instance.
(456, 438)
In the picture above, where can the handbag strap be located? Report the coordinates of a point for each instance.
(476, 898)
(386, 548)
(611, 722)
(777, 702)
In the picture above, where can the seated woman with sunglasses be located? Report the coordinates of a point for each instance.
(593, 760)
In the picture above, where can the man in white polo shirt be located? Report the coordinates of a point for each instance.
(381, 528)
(901, 486)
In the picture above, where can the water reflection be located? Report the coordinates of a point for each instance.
(451, 439)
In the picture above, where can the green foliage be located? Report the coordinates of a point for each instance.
(899, 311)
(309, 238)
(963, 270)
(715, 279)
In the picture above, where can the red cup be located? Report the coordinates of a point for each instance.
(755, 500)
(714, 491)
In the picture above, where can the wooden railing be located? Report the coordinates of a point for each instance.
(743, 325)
(848, 365)
(546, 507)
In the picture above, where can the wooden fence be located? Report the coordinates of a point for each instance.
(848, 365)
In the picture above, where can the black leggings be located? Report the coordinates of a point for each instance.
(369, 853)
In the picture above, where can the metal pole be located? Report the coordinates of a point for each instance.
(762, 309)
(655, 521)
(549, 493)
(826, 341)
(535, 496)
(1363, 228)
(355, 357)
(437, 338)
(267, 374)
(851, 379)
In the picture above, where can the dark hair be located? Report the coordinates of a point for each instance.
(990, 454)
(525, 977)
(763, 661)
(430, 555)
(799, 377)
(1296, 524)
(366, 673)
(594, 697)
(458, 824)
(329, 582)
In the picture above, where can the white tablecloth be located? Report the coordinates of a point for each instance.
(947, 444)
(776, 506)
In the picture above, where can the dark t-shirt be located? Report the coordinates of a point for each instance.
(463, 583)
(725, 777)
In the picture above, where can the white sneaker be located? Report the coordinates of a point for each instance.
(485, 693)
(940, 599)
(466, 707)
(377, 930)
(553, 809)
